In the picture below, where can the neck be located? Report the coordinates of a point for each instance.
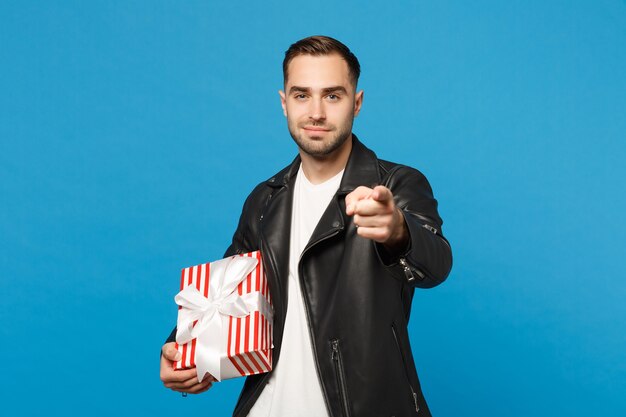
(319, 169)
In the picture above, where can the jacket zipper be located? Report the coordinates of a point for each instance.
(407, 270)
(395, 338)
(308, 315)
(341, 377)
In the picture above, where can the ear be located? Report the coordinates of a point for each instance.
(283, 101)
(358, 102)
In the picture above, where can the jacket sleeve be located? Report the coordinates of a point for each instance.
(427, 260)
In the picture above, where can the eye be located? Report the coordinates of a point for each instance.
(333, 97)
(300, 96)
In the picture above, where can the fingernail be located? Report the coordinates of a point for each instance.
(177, 356)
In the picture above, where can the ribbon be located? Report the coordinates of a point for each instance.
(222, 300)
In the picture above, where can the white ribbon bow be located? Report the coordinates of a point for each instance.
(222, 300)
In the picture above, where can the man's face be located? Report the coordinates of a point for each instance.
(320, 103)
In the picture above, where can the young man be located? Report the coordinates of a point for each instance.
(345, 238)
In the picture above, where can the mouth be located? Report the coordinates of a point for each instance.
(316, 129)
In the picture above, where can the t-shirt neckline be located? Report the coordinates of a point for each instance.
(328, 183)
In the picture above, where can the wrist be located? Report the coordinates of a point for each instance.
(399, 239)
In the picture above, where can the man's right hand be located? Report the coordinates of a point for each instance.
(184, 380)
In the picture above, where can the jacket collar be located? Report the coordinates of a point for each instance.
(361, 169)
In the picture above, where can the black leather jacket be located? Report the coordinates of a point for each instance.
(357, 296)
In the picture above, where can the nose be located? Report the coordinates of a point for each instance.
(317, 111)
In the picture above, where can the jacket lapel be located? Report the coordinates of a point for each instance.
(361, 169)
(275, 233)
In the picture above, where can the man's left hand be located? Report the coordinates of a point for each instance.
(377, 217)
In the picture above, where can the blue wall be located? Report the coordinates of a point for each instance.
(131, 132)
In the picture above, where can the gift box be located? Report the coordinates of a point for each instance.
(225, 318)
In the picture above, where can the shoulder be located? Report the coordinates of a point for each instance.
(411, 190)
(246, 235)
(259, 196)
(258, 193)
(397, 175)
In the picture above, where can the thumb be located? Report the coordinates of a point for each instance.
(170, 352)
(382, 194)
(359, 193)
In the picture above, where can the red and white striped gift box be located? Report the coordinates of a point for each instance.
(246, 343)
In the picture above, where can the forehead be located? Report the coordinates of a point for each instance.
(318, 71)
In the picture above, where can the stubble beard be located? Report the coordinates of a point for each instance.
(320, 148)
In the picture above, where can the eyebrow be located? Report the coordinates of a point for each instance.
(327, 90)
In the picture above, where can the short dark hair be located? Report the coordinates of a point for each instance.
(319, 46)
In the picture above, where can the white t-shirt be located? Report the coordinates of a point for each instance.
(294, 387)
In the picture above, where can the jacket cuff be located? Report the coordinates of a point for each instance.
(427, 259)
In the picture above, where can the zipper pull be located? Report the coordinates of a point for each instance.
(417, 407)
(430, 228)
(335, 354)
(407, 270)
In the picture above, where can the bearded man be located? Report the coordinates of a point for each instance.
(346, 238)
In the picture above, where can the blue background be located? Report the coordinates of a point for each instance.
(132, 131)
